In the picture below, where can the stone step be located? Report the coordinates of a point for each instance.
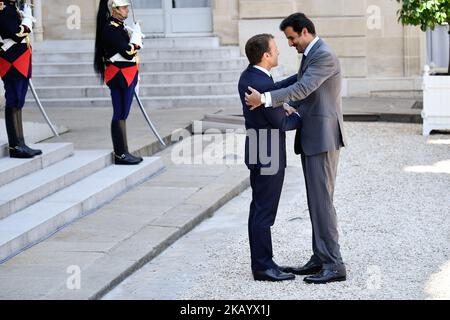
(13, 169)
(225, 118)
(39, 221)
(406, 94)
(145, 55)
(225, 101)
(28, 190)
(91, 79)
(50, 46)
(366, 87)
(146, 66)
(198, 89)
(213, 127)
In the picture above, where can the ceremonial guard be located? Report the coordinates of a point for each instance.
(116, 49)
(15, 71)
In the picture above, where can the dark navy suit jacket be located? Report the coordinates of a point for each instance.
(265, 118)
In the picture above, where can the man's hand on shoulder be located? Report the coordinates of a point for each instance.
(253, 100)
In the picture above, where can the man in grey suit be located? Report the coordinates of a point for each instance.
(317, 94)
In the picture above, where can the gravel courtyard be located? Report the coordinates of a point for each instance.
(393, 203)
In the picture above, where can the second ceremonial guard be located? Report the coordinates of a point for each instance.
(116, 48)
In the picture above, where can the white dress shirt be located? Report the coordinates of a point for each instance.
(263, 70)
(269, 75)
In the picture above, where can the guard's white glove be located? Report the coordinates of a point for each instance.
(27, 10)
(136, 34)
(28, 18)
(135, 27)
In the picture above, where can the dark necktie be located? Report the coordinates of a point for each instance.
(302, 64)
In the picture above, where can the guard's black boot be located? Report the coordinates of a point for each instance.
(17, 146)
(119, 138)
(35, 152)
(131, 157)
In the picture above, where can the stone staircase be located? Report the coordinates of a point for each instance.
(175, 72)
(39, 196)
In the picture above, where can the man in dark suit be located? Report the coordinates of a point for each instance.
(318, 92)
(265, 154)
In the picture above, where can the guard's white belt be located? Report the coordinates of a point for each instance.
(8, 43)
(119, 58)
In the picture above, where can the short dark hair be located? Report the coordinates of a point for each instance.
(298, 21)
(256, 47)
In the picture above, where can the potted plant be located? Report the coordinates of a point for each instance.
(436, 87)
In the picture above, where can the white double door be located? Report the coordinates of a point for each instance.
(172, 17)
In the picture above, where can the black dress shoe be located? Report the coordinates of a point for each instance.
(126, 159)
(20, 152)
(272, 275)
(327, 275)
(310, 268)
(34, 152)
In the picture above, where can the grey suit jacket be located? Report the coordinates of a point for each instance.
(317, 93)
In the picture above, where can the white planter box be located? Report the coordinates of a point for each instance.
(436, 103)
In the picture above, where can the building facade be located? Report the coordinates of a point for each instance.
(377, 53)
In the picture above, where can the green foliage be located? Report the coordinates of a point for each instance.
(424, 13)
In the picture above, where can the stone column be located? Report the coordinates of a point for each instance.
(38, 28)
(226, 21)
(412, 53)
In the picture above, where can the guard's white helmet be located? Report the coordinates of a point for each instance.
(117, 3)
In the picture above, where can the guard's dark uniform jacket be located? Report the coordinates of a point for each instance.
(116, 40)
(15, 62)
